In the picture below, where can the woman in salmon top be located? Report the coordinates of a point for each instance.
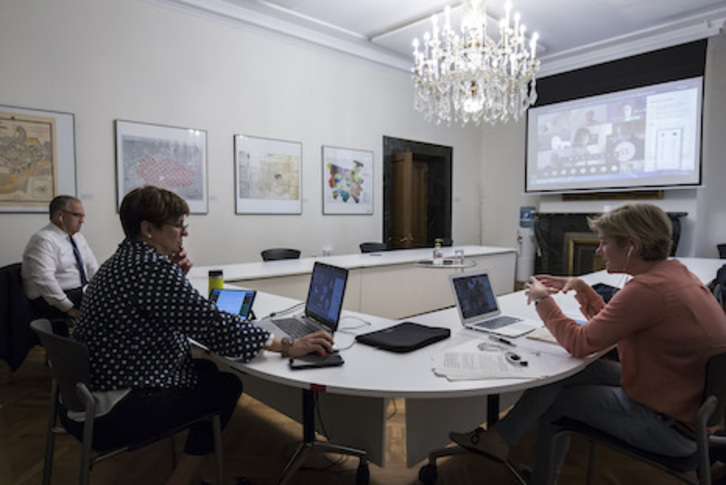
(665, 324)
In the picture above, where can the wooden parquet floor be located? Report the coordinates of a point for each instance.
(257, 443)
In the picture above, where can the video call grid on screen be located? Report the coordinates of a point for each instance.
(475, 296)
(325, 297)
(644, 137)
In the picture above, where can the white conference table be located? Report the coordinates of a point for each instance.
(353, 398)
(371, 276)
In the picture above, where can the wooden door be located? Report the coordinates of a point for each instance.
(410, 201)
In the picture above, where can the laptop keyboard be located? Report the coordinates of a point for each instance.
(294, 327)
(498, 322)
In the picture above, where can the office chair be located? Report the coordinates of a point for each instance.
(710, 413)
(68, 361)
(280, 253)
(16, 338)
(372, 247)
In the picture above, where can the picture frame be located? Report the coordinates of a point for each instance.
(168, 157)
(347, 181)
(37, 158)
(268, 175)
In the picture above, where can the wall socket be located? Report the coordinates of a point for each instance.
(327, 252)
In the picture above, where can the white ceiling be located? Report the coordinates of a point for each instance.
(573, 33)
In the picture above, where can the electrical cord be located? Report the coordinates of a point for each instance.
(286, 310)
(333, 463)
(350, 331)
(365, 323)
(395, 409)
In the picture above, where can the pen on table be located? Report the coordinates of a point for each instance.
(502, 340)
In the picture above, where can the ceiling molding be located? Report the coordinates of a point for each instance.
(328, 36)
(322, 35)
(641, 42)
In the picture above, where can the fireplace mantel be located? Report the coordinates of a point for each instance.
(553, 230)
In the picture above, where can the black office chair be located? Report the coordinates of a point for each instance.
(68, 360)
(372, 247)
(709, 414)
(721, 250)
(16, 338)
(280, 253)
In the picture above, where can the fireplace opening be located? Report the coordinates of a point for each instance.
(580, 250)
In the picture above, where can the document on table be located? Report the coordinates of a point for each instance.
(467, 362)
(543, 334)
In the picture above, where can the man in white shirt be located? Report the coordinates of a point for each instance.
(58, 263)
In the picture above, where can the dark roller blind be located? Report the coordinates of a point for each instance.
(679, 62)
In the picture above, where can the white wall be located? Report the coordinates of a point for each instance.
(711, 218)
(142, 61)
(502, 176)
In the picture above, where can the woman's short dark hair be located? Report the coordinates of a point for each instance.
(153, 204)
(646, 224)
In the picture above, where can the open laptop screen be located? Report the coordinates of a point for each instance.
(475, 296)
(325, 296)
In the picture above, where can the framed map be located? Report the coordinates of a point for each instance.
(168, 157)
(347, 181)
(268, 176)
(37, 158)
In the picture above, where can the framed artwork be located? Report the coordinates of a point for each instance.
(347, 181)
(268, 176)
(165, 156)
(37, 158)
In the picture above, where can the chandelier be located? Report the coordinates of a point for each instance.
(466, 76)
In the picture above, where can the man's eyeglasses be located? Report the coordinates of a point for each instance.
(79, 215)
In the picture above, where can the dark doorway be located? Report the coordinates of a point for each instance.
(416, 193)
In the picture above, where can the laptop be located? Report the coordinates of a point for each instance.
(236, 302)
(478, 308)
(322, 308)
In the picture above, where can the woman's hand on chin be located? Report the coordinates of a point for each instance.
(182, 260)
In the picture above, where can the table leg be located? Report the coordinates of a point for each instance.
(310, 445)
(492, 409)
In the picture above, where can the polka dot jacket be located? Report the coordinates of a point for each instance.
(137, 316)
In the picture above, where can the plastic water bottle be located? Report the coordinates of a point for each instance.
(438, 253)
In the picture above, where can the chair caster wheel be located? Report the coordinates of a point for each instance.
(428, 474)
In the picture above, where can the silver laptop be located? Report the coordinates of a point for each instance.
(322, 308)
(478, 308)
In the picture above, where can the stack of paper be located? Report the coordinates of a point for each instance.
(467, 362)
(543, 334)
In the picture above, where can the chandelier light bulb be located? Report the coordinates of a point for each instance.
(468, 76)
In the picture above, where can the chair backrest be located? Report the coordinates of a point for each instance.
(372, 247)
(716, 386)
(280, 253)
(68, 360)
(16, 338)
(718, 286)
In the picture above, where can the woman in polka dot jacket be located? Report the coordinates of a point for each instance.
(137, 317)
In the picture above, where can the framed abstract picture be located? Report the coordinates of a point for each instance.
(165, 156)
(37, 158)
(268, 176)
(347, 181)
